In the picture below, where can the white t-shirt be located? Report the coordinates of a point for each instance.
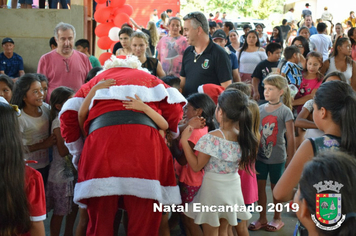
(322, 44)
(35, 130)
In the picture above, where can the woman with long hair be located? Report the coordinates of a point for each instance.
(234, 41)
(151, 31)
(23, 205)
(249, 55)
(341, 60)
(339, 32)
(263, 37)
(139, 43)
(352, 36)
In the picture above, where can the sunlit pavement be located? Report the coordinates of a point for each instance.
(289, 219)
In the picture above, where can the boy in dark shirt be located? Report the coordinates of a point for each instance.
(273, 51)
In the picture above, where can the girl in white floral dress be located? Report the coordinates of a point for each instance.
(221, 153)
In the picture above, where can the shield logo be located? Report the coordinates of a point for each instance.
(205, 64)
(328, 208)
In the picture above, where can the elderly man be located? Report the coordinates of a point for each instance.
(203, 62)
(64, 66)
(11, 63)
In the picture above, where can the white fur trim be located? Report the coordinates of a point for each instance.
(129, 62)
(154, 94)
(143, 188)
(200, 89)
(75, 148)
(71, 104)
(38, 218)
(175, 135)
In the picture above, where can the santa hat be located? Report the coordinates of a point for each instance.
(212, 90)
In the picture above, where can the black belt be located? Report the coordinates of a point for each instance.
(120, 118)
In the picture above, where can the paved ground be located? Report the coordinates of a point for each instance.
(289, 220)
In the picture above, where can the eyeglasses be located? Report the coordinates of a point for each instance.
(195, 16)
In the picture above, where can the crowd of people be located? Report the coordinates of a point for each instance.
(188, 114)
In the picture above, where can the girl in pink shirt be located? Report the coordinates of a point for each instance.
(311, 81)
(200, 105)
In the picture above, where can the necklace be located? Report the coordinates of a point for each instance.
(274, 103)
(196, 57)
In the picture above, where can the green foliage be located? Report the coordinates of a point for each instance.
(266, 7)
(260, 9)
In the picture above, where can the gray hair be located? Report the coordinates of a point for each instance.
(64, 27)
(198, 19)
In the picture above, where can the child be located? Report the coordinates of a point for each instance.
(92, 73)
(311, 81)
(133, 104)
(44, 83)
(83, 46)
(291, 36)
(34, 122)
(221, 153)
(199, 105)
(276, 121)
(291, 70)
(6, 87)
(277, 36)
(172, 81)
(249, 180)
(60, 185)
(273, 51)
(243, 87)
(23, 205)
(334, 108)
(328, 166)
(124, 35)
(305, 117)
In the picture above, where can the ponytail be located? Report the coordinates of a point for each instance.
(247, 140)
(347, 124)
(339, 98)
(287, 98)
(234, 105)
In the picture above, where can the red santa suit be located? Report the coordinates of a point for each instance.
(127, 160)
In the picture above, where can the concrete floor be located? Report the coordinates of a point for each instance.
(289, 219)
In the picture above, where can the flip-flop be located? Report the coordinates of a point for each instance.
(256, 225)
(274, 226)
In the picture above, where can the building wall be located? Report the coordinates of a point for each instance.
(142, 9)
(31, 30)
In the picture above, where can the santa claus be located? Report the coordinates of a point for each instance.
(124, 161)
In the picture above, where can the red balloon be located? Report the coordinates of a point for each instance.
(103, 29)
(104, 57)
(101, 5)
(117, 3)
(104, 42)
(102, 15)
(127, 9)
(124, 9)
(100, 1)
(112, 46)
(121, 18)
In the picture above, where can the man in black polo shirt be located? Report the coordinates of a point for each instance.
(203, 61)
